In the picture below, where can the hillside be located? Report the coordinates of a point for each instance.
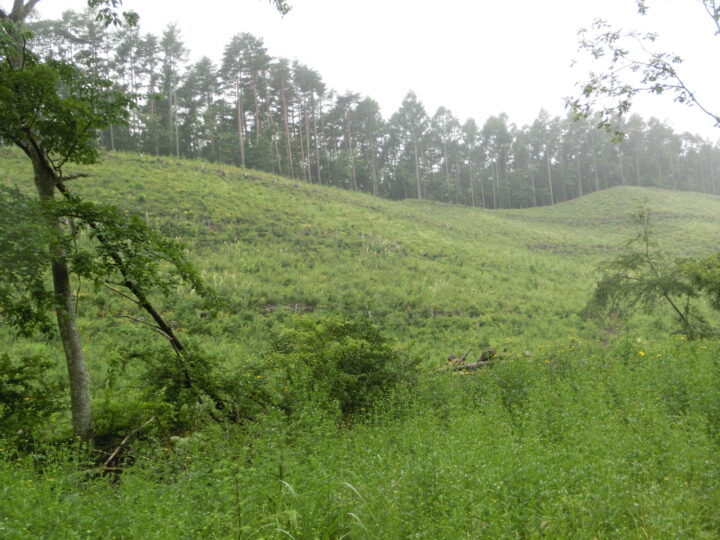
(576, 432)
(438, 277)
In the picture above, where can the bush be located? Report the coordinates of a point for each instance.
(28, 394)
(337, 361)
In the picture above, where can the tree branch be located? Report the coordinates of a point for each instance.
(714, 11)
(126, 296)
(73, 177)
(156, 328)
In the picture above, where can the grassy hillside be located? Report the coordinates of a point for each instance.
(440, 278)
(575, 434)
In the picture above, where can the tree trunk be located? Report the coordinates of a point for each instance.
(472, 187)
(579, 177)
(532, 184)
(622, 169)
(257, 108)
(315, 133)
(417, 167)
(595, 163)
(288, 148)
(240, 123)
(65, 311)
(496, 187)
(447, 172)
(549, 174)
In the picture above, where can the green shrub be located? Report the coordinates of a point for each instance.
(336, 360)
(28, 394)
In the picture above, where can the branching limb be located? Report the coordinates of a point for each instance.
(120, 293)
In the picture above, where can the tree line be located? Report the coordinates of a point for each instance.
(277, 115)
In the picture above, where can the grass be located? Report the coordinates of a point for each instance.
(612, 446)
(575, 433)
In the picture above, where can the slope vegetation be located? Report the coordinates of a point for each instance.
(439, 278)
(563, 437)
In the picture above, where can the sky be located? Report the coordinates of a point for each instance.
(476, 57)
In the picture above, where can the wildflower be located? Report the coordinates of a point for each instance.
(26, 398)
(641, 353)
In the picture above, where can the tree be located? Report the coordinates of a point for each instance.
(52, 111)
(632, 67)
(644, 275)
(411, 122)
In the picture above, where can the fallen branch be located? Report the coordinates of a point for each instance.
(106, 466)
(459, 364)
(471, 367)
(124, 442)
(464, 356)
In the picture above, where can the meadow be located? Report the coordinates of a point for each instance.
(577, 430)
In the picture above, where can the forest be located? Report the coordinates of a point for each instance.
(277, 115)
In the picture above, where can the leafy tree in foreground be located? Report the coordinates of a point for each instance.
(52, 111)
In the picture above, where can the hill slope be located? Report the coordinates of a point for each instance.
(439, 277)
(573, 442)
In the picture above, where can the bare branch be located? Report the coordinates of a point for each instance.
(713, 10)
(74, 176)
(128, 297)
(124, 442)
(156, 328)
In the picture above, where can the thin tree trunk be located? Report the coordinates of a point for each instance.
(549, 174)
(351, 150)
(447, 171)
(472, 187)
(595, 163)
(315, 136)
(637, 164)
(278, 158)
(496, 186)
(241, 127)
(579, 180)
(303, 168)
(78, 377)
(288, 148)
(308, 158)
(257, 108)
(532, 181)
(417, 168)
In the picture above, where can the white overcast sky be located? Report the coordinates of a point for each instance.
(476, 57)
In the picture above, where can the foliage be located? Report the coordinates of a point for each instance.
(24, 298)
(335, 360)
(571, 440)
(125, 249)
(632, 67)
(29, 392)
(643, 275)
(129, 251)
(620, 442)
(54, 106)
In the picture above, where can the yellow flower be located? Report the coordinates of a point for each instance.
(641, 353)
